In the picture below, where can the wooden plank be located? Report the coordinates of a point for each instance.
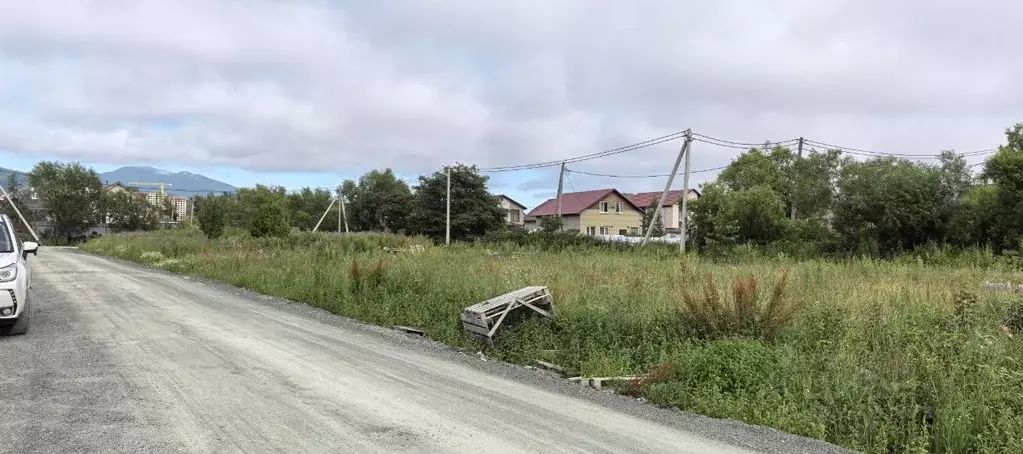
(477, 329)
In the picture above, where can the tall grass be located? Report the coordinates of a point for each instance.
(878, 356)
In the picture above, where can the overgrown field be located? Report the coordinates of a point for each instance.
(878, 356)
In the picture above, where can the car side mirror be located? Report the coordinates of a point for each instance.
(30, 247)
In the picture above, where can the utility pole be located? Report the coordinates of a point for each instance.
(561, 187)
(685, 199)
(16, 210)
(339, 210)
(191, 209)
(799, 157)
(447, 230)
(329, 206)
(341, 201)
(667, 186)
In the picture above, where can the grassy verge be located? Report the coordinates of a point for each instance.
(880, 356)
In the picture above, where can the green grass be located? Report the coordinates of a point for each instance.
(874, 348)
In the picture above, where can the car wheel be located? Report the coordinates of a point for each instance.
(19, 327)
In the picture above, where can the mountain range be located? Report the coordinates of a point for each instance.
(184, 184)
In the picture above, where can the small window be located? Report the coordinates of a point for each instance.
(634, 230)
(515, 215)
(623, 232)
(603, 207)
(619, 207)
(591, 230)
(605, 230)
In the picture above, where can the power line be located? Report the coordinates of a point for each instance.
(601, 154)
(766, 157)
(716, 141)
(861, 151)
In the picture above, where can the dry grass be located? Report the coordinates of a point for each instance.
(712, 317)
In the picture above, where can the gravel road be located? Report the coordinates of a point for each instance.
(125, 358)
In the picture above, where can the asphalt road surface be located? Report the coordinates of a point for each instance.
(122, 358)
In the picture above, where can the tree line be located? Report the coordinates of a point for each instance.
(72, 200)
(826, 202)
(378, 201)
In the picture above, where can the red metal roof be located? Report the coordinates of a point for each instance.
(575, 202)
(645, 199)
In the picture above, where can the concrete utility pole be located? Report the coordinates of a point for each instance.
(339, 210)
(685, 199)
(341, 201)
(324, 216)
(799, 158)
(671, 177)
(561, 187)
(16, 210)
(447, 230)
(191, 209)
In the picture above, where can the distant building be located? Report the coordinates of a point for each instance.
(180, 206)
(671, 216)
(514, 211)
(599, 212)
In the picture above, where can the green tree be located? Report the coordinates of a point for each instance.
(307, 205)
(474, 211)
(710, 227)
(648, 215)
(72, 194)
(807, 182)
(887, 205)
(813, 183)
(271, 220)
(379, 202)
(128, 210)
(757, 214)
(212, 213)
(1005, 170)
(263, 211)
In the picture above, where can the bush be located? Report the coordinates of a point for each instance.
(271, 221)
(711, 317)
(212, 216)
(551, 224)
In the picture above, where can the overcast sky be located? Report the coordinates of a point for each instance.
(307, 92)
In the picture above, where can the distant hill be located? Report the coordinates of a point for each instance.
(21, 176)
(184, 184)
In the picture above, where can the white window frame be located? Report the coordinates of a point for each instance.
(602, 206)
(605, 230)
(620, 207)
(591, 230)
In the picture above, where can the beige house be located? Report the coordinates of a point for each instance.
(599, 212)
(671, 215)
(515, 212)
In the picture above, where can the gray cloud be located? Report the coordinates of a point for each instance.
(314, 86)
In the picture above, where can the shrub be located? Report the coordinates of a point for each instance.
(964, 305)
(271, 221)
(712, 317)
(212, 216)
(551, 224)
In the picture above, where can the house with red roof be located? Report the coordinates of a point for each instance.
(598, 212)
(671, 214)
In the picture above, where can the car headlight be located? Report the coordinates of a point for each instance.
(9, 273)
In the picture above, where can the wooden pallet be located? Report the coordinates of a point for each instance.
(484, 319)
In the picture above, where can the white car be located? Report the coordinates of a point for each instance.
(15, 280)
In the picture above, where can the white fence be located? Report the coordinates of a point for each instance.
(674, 239)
